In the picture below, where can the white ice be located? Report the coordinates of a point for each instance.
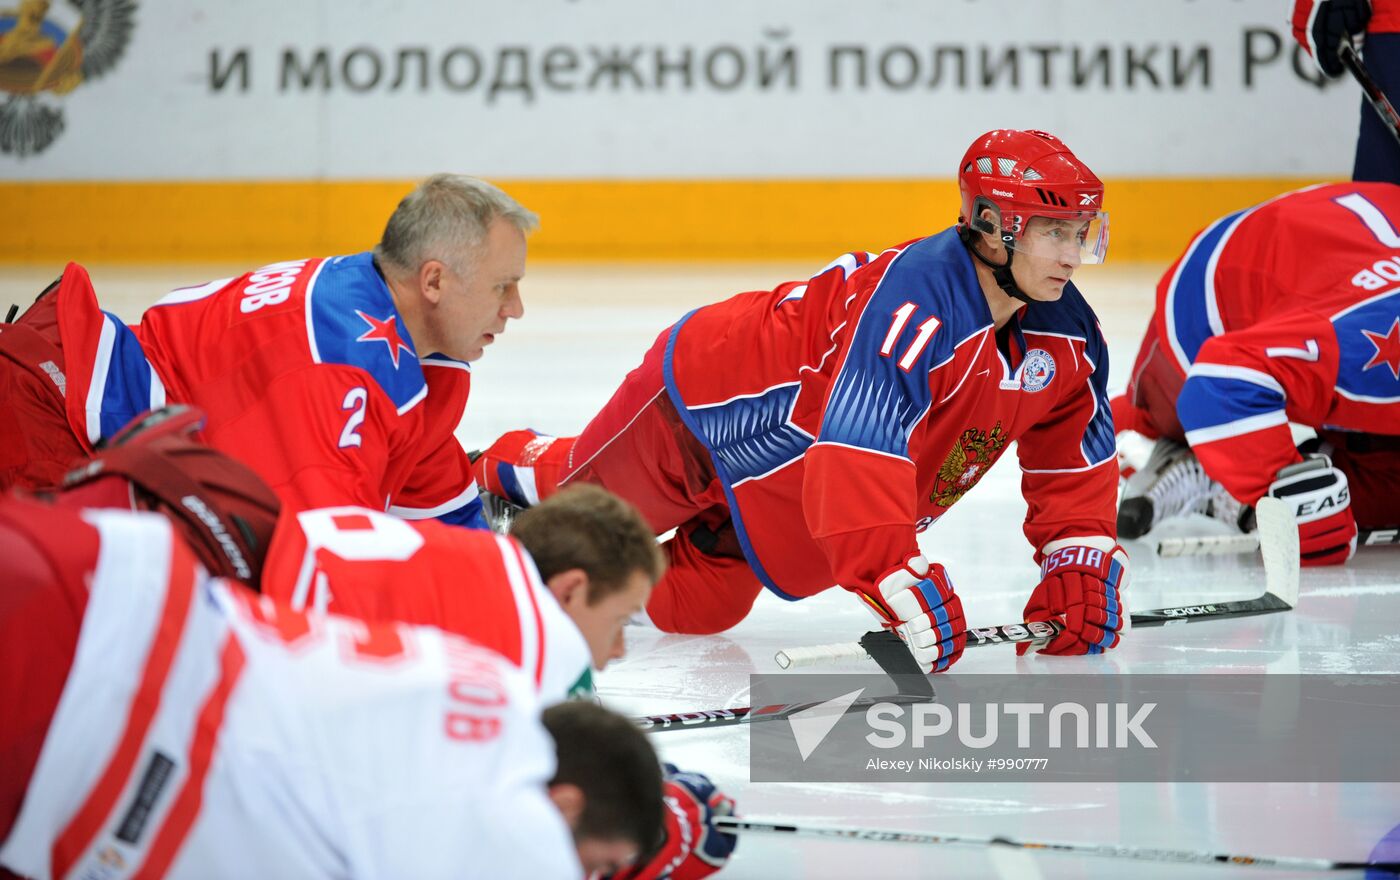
(586, 326)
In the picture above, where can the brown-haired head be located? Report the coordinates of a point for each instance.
(607, 784)
(597, 556)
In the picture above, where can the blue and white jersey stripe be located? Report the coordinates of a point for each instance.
(124, 384)
(1220, 401)
(753, 434)
(1192, 311)
(464, 510)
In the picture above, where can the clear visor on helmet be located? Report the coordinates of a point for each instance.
(1077, 238)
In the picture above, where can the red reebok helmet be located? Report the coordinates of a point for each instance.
(221, 508)
(1026, 174)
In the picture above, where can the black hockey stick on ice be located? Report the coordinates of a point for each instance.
(884, 648)
(1379, 102)
(1142, 854)
(1278, 544)
(1224, 545)
(709, 718)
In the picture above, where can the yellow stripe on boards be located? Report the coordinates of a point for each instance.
(600, 220)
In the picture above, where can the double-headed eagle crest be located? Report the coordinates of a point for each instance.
(40, 55)
(965, 464)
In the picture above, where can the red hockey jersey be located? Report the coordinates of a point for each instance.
(844, 412)
(365, 564)
(1287, 311)
(306, 373)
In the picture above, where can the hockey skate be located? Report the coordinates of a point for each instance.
(1172, 483)
(1221, 505)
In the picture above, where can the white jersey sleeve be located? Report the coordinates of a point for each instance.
(205, 732)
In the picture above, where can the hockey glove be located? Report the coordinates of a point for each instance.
(523, 467)
(1333, 20)
(693, 847)
(1317, 494)
(1080, 586)
(916, 601)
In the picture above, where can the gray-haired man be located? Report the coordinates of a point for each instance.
(339, 381)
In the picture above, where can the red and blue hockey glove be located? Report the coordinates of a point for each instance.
(1330, 21)
(916, 600)
(694, 848)
(524, 467)
(1318, 495)
(1080, 586)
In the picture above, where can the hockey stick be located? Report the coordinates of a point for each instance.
(884, 648)
(751, 714)
(1142, 854)
(1222, 545)
(1278, 536)
(1379, 102)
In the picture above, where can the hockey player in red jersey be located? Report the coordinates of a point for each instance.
(593, 552)
(587, 549)
(339, 380)
(1288, 311)
(798, 437)
(162, 723)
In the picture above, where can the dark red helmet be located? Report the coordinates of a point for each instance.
(1021, 175)
(222, 509)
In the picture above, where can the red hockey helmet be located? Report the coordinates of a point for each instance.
(1022, 175)
(223, 510)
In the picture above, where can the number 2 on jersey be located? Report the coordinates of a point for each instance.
(355, 400)
(916, 348)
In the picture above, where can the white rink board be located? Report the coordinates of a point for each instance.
(719, 89)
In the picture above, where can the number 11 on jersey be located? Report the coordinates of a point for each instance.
(916, 348)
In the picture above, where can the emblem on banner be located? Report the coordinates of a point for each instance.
(52, 51)
(966, 462)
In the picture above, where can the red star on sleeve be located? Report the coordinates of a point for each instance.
(1387, 349)
(386, 332)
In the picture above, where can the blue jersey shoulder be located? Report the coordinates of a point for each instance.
(937, 276)
(1368, 338)
(353, 321)
(926, 302)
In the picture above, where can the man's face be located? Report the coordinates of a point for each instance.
(601, 622)
(605, 856)
(1047, 255)
(478, 299)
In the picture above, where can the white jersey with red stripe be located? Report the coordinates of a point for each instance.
(207, 732)
(366, 564)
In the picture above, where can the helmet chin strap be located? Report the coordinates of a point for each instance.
(1000, 274)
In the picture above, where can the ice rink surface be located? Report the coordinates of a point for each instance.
(587, 325)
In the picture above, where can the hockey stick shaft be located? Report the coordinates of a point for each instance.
(1221, 545)
(1369, 87)
(1278, 545)
(749, 715)
(1141, 854)
(1034, 632)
